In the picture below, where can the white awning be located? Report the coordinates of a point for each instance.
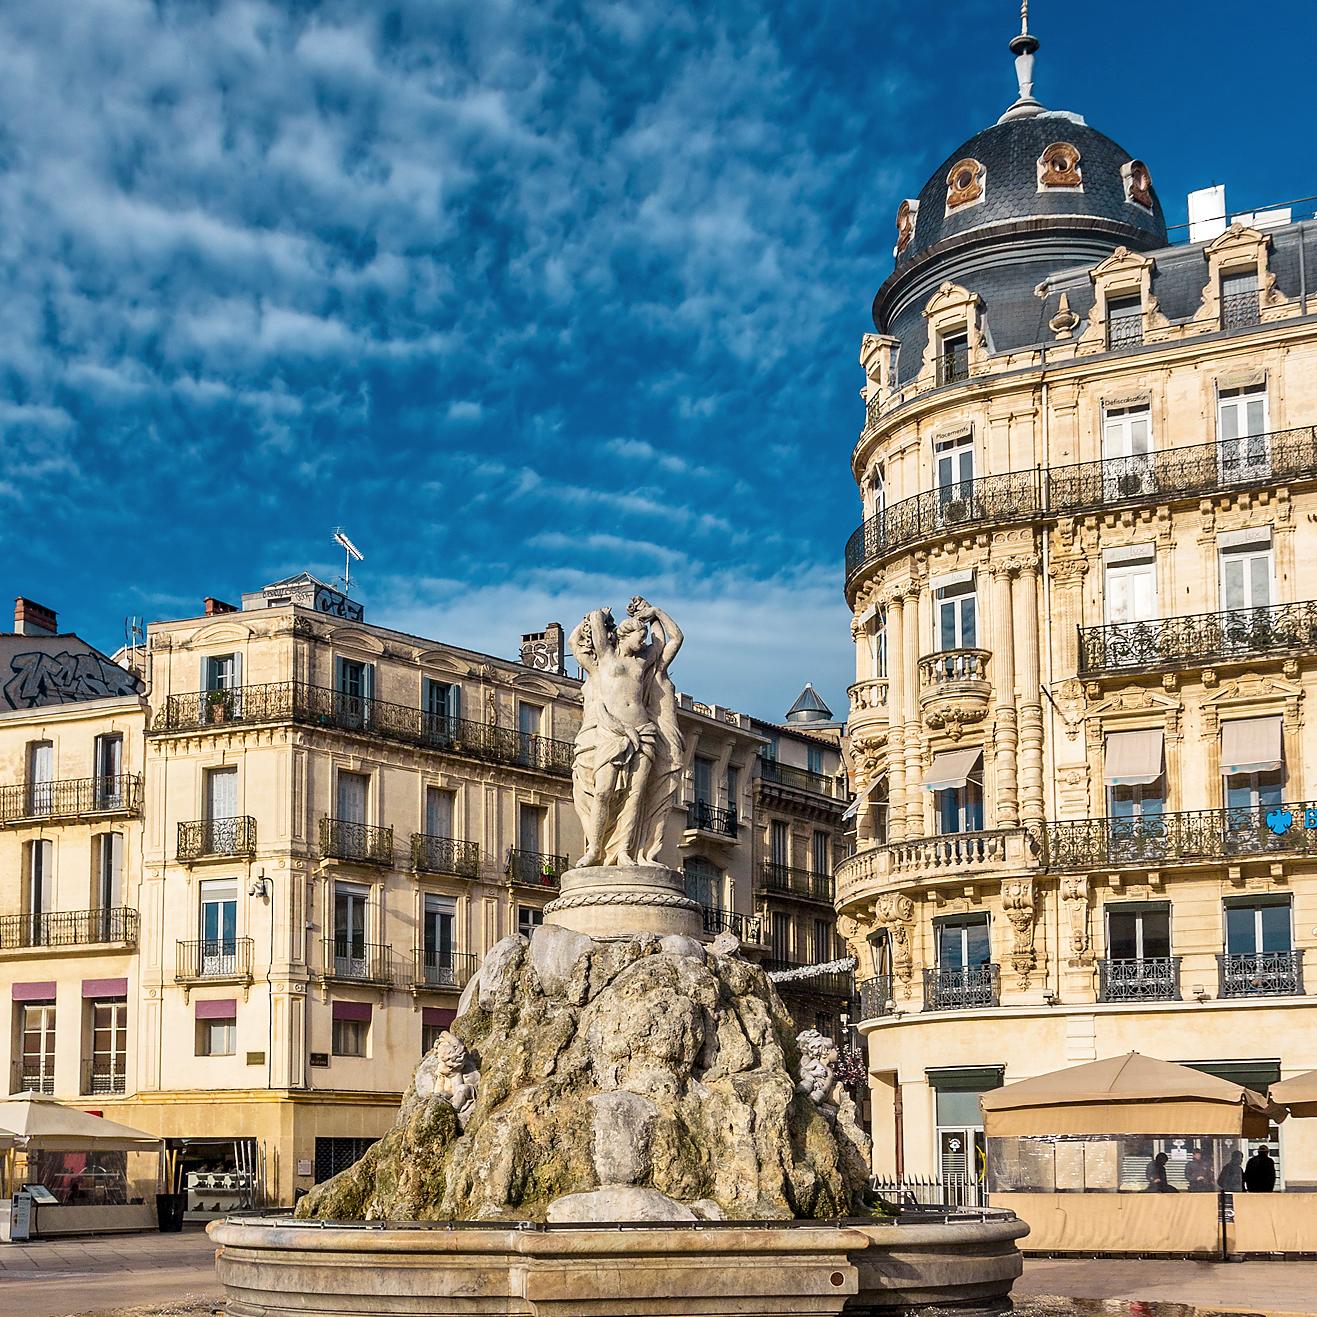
(1133, 758)
(951, 768)
(1251, 745)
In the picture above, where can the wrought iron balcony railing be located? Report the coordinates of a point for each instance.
(744, 927)
(709, 818)
(445, 855)
(783, 880)
(1239, 310)
(876, 997)
(1260, 974)
(1155, 978)
(358, 843)
(443, 969)
(99, 1077)
(786, 775)
(1171, 474)
(831, 983)
(357, 960)
(953, 666)
(70, 928)
(321, 706)
(1198, 834)
(959, 989)
(200, 838)
(1202, 638)
(35, 1081)
(535, 868)
(1124, 331)
(953, 365)
(213, 958)
(72, 798)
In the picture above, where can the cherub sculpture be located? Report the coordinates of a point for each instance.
(452, 1078)
(818, 1069)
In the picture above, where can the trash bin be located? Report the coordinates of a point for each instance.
(169, 1212)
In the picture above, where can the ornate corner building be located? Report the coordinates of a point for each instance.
(1079, 728)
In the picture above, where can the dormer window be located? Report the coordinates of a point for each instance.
(1138, 184)
(906, 217)
(964, 184)
(953, 358)
(1239, 299)
(1058, 167)
(1124, 323)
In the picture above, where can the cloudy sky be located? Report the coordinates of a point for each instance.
(543, 302)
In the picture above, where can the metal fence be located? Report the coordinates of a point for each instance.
(931, 1190)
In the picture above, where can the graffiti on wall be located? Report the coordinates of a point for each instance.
(36, 677)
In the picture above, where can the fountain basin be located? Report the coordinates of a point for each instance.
(272, 1266)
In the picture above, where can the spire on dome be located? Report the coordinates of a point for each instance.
(1023, 48)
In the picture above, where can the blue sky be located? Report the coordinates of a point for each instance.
(543, 302)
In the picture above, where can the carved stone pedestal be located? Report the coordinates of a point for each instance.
(619, 900)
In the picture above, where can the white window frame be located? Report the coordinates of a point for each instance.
(1126, 569)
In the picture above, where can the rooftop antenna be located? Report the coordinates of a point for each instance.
(350, 551)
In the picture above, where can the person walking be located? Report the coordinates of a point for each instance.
(1157, 1181)
(1231, 1179)
(1260, 1173)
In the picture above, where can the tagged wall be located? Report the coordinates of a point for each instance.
(42, 670)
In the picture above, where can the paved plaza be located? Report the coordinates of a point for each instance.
(174, 1274)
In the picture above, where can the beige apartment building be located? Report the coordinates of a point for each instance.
(1081, 727)
(260, 888)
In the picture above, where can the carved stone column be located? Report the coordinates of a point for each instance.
(896, 783)
(896, 912)
(1017, 901)
(1025, 592)
(914, 775)
(1001, 670)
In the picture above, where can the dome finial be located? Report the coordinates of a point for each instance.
(1023, 48)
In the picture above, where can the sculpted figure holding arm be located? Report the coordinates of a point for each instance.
(629, 750)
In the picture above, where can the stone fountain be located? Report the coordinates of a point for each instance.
(620, 1119)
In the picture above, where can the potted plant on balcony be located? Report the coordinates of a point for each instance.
(219, 705)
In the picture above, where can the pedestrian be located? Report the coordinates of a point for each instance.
(1198, 1172)
(1157, 1181)
(1260, 1173)
(1231, 1178)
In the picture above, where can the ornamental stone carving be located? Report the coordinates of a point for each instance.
(964, 184)
(818, 1069)
(1058, 167)
(907, 216)
(1138, 183)
(896, 913)
(448, 1072)
(1074, 898)
(1017, 899)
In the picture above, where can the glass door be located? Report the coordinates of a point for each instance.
(219, 928)
(954, 462)
(109, 884)
(1126, 453)
(41, 778)
(40, 890)
(109, 1057)
(38, 1064)
(440, 923)
(350, 931)
(109, 771)
(1243, 445)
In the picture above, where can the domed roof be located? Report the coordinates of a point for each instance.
(1048, 164)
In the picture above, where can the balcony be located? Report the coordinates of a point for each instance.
(966, 988)
(71, 798)
(357, 843)
(1198, 640)
(320, 706)
(445, 855)
(953, 687)
(1260, 974)
(801, 779)
(103, 1077)
(782, 880)
(876, 997)
(1155, 978)
(356, 961)
(204, 839)
(703, 817)
(535, 869)
(1168, 476)
(1200, 834)
(210, 959)
(443, 969)
(116, 926)
(868, 701)
(34, 1081)
(1125, 331)
(743, 927)
(1240, 310)
(832, 983)
(953, 365)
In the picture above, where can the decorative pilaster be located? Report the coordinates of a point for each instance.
(896, 914)
(914, 772)
(1005, 735)
(1017, 902)
(896, 696)
(1025, 594)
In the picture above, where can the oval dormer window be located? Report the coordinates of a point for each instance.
(964, 184)
(1058, 167)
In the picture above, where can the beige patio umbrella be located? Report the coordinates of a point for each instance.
(1131, 1094)
(36, 1121)
(1298, 1094)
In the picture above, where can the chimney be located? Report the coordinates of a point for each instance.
(546, 650)
(33, 619)
(216, 606)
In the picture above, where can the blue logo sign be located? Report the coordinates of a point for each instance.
(1280, 821)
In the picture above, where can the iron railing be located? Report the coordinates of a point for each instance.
(1240, 310)
(219, 837)
(35, 1081)
(931, 1190)
(432, 854)
(1260, 974)
(358, 843)
(213, 958)
(876, 997)
(949, 666)
(534, 868)
(71, 798)
(443, 969)
(962, 988)
(351, 958)
(744, 927)
(787, 881)
(1154, 978)
(1171, 474)
(1198, 834)
(820, 784)
(831, 983)
(99, 1077)
(70, 928)
(321, 706)
(953, 365)
(1199, 638)
(709, 818)
(1125, 331)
